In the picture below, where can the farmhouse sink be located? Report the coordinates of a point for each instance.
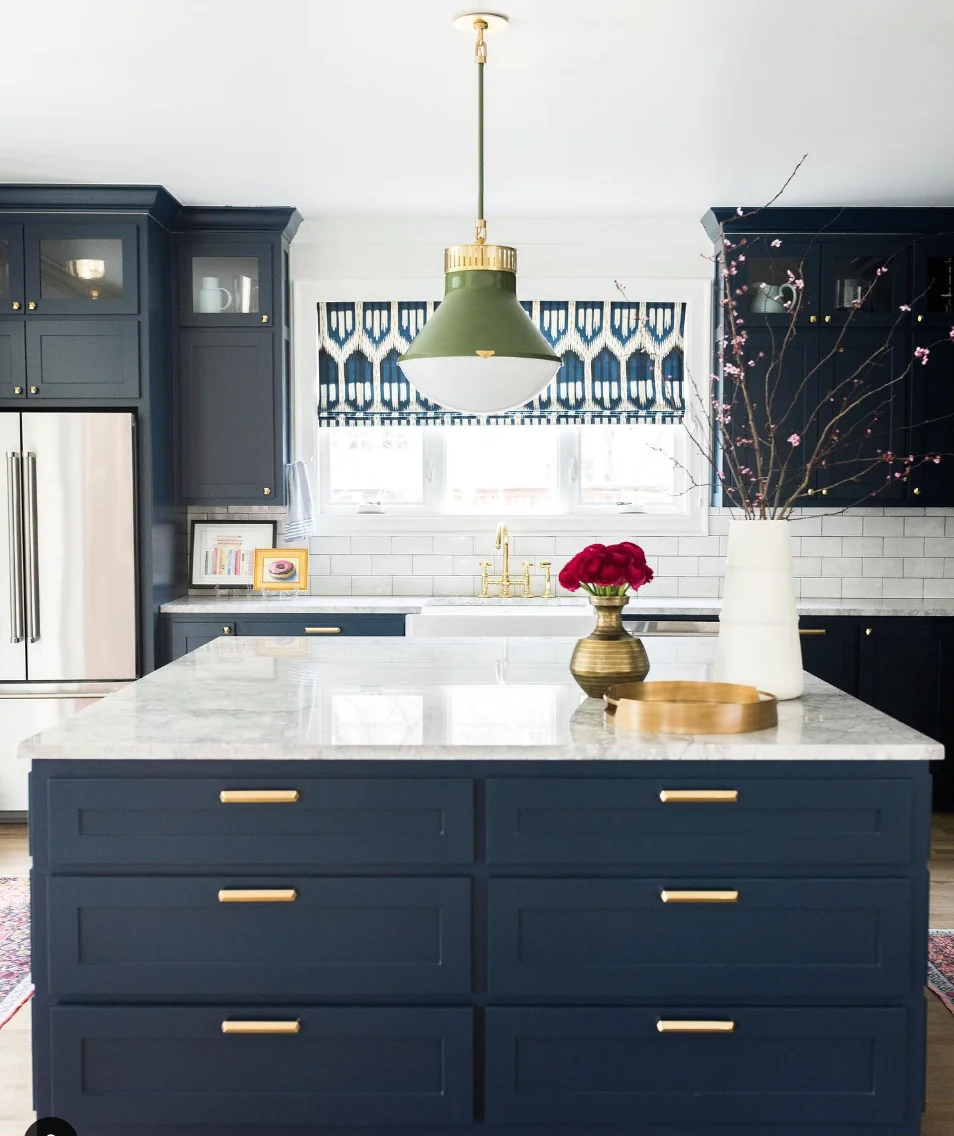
(545, 619)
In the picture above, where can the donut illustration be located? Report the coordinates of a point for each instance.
(281, 569)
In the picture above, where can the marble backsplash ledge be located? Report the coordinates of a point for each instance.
(870, 553)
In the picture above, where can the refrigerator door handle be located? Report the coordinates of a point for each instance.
(15, 546)
(32, 588)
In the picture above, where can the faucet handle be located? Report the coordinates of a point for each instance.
(546, 565)
(484, 581)
(527, 589)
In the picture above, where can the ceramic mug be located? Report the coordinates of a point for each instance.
(772, 298)
(213, 298)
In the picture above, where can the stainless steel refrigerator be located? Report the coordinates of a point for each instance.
(67, 573)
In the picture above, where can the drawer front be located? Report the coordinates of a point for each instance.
(115, 938)
(791, 1067)
(321, 626)
(333, 821)
(343, 1067)
(784, 821)
(778, 938)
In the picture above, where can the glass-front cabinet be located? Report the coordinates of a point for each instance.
(11, 270)
(774, 277)
(81, 268)
(865, 279)
(226, 284)
(933, 291)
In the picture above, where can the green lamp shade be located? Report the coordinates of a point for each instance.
(480, 353)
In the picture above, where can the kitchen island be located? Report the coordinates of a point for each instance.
(370, 886)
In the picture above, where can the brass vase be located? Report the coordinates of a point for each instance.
(608, 655)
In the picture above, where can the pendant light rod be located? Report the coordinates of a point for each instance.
(480, 55)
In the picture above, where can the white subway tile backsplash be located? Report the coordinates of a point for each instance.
(842, 566)
(820, 589)
(949, 567)
(862, 546)
(319, 565)
(329, 586)
(371, 585)
(454, 545)
(698, 546)
(861, 589)
(902, 589)
(924, 526)
(469, 566)
(456, 586)
(391, 565)
(883, 526)
(412, 585)
(807, 566)
(939, 546)
(806, 525)
(842, 526)
(416, 545)
(904, 546)
(661, 546)
(821, 546)
(678, 566)
(433, 565)
(374, 545)
(331, 545)
(351, 565)
(662, 588)
(883, 566)
(928, 567)
(949, 526)
(939, 589)
(699, 587)
(527, 546)
(711, 565)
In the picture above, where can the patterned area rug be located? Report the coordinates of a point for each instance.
(15, 984)
(941, 966)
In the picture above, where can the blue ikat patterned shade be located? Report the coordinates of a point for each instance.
(622, 363)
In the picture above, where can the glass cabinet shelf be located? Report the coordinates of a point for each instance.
(225, 284)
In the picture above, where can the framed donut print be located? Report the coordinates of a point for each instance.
(281, 570)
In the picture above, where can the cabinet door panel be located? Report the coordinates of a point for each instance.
(830, 650)
(865, 278)
(767, 274)
(12, 360)
(11, 270)
(226, 284)
(863, 380)
(80, 359)
(230, 418)
(82, 268)
(932, 419)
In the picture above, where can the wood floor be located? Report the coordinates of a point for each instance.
(16, 1115)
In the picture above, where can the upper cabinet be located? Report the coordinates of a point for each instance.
(81, 268)
(226, 284)
(11, 270)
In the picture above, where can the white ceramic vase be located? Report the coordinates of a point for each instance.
(758, 627)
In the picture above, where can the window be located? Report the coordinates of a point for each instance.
(477, 470)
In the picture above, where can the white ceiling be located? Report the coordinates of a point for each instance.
(604, 108)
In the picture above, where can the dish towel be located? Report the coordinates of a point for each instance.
(300, 518)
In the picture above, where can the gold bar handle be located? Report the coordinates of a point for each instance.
(261, 1027)
(699, 896)
(322, 630)
(698, 796)
(695, 1027)
(257, 895)
(812, 631)
(258, 796)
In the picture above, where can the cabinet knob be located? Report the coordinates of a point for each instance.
(16, 305)
(264, 318)
(813, 319)
(34, 390)
(869, 631)
(920, 319)
(31, 306)
(266, 492)
(226, 630)
(18, 390)
(917, 491)
(827, 319)
(824, 493)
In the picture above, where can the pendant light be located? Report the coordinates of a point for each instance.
(480, 353)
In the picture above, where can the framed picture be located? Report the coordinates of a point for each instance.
(281, 569)
(223, 552)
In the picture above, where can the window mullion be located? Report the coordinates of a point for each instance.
(433, 465)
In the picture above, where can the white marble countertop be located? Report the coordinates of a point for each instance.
(413, 605)
(397, 698)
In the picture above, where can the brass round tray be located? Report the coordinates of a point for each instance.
(691, 707)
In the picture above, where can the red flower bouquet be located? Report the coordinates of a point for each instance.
(607, 569)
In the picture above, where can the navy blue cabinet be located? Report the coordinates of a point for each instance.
(13, 380)
(82, 359)
(81, 266)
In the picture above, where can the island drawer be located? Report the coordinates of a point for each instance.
(667, 819)
(826, 938)
(301, 821)
(354, 1066)
(288, 937)
(777, 1066)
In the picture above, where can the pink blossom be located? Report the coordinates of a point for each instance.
(952, 333)
(905, 307)
(776, 243)
(922, 353)
(738, 211)
(740, 259)
(795, 439)
(882, 270)
(936, 459)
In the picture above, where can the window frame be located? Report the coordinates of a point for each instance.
(573, 517)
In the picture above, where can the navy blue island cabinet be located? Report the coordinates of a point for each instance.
(496, 948)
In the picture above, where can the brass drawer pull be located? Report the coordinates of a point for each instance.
(698, 796)
(695, 1027)
(813, 630)
(699, 896)
(258, 796)
(257, 895)
(261, 1027)
(322, 630)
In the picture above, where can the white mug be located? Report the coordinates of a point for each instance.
(772, 298)
(212, 298)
